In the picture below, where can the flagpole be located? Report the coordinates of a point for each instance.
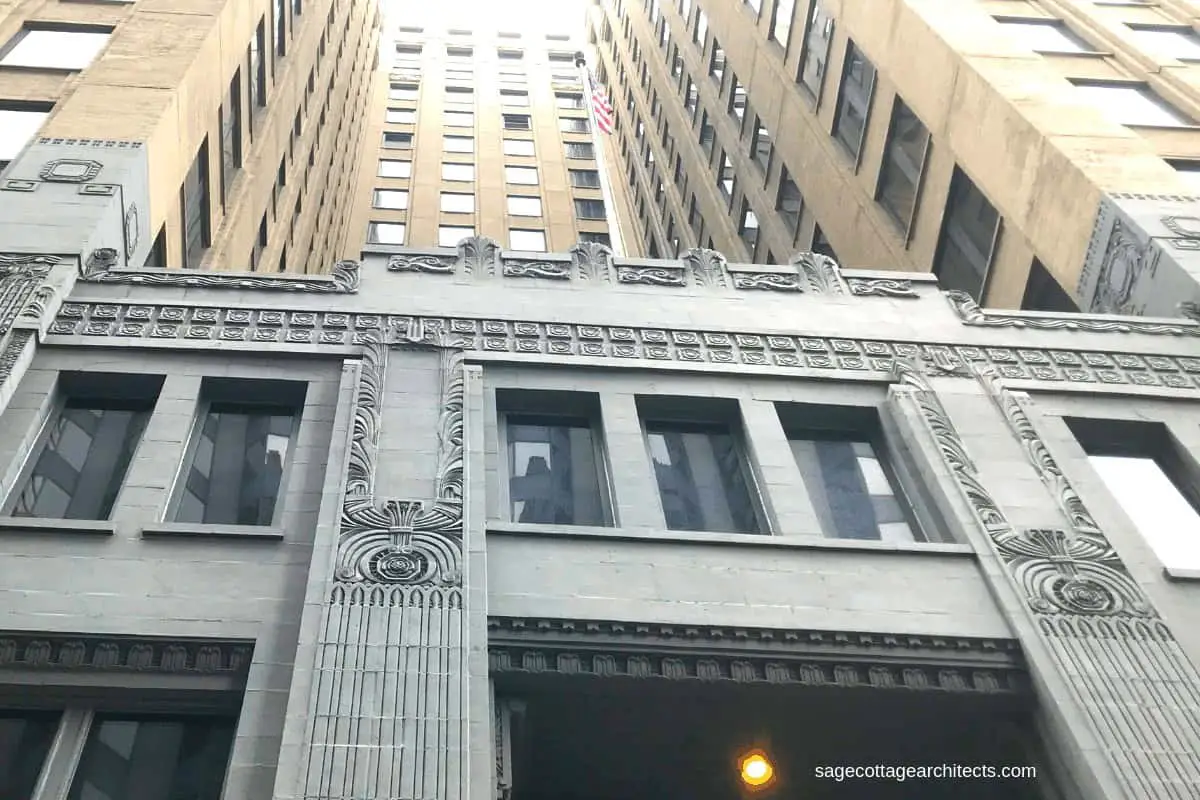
(606, 193)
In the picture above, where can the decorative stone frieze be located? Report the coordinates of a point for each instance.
(86, 652)
(101, 267)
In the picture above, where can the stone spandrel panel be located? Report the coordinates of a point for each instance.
(1144, 257)
(74, 196)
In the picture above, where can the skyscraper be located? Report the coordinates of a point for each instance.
(1038, 155)
(218, 137)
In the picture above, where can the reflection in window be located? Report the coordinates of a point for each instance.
(1045, 36)
(25, 739)
(530, 241)
(458, 172)
(553, 478)
(451, 235)
(815, 55)
(854, 102)
(969, 231)
(522, 206)
(236, 466)
(1153, 480)
(1131, 105)
(83, 462)
(701, 478)
(385, 233)
(903, 160)
(391, 168)
(850, 489)
(781, 21)
(151, 758)
(1167, 42)
(55, 49)
(789, 202)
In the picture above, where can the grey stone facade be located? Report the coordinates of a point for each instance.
(365, 630)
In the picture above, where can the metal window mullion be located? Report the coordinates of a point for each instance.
(65, 752)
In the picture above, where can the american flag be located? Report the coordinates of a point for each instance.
(602, 110)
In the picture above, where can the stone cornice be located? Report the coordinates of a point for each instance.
(607, 649)
(176, 324)
(122, 654)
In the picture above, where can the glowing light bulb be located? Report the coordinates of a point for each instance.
(756, 770)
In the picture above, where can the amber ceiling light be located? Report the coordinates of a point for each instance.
(755, 769)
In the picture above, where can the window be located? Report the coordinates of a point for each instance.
(716, 62)
(737, 101)
(458, 172)
(761, 146)
(390, 168)
(821, 245)
(1131, 104)
(969, 230)
(458, 144)
(385, 233)
(700, 34)
(1176, 42)
(516, 122)
(464, 75)
(725, 177)
(258, 67)
(1188, 170)
(691, 97)
(55, 46)
(573, 125)
(459, 119)
(87, 446)
(568, 100)
(525, 176)
(510, 55)
(195, 199)
(524, 206)
(458, 203)
(231, 133)
(401, 116)
(748, 226)
(19, 122)
(451, 235)
(518, 147)
(781, 22)
(391, 198)
(585, 178)
(528, 240)
(260, 242)
(755, 6)
(847, 478)
(815, 54)
(178, 756)
(579, 150)
(460, 95)
(598, 238)
(1153, 480)
(707, 135)
(789, 202)
(903, 162)
(280, 29)
(25, 739)
(589, 209)
(407, 49)
(1044, 35)
(1044, 293)
(512, 97)
(702, 477)
(402, 91)
(459, 52)
(854, 100)
(397, 141)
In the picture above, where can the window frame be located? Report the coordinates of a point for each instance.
(267, 393)
(372, 226)
(1084, 47)
(886, 163)
(815, 93)
(442, 202)
(31, 27)
(846, 101)
(959, 172)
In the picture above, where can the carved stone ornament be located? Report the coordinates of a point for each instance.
(550, 270)
(100, 268)
(477, 255)
(1129, 674)
(769, 281)
(70, 170)
(132, 235)
(20, 277)
(971, 314)
(86, 652)
(593, 260)
(821, 274)
(651, 276)
(707, 267)
(434, 265)
(881, 287)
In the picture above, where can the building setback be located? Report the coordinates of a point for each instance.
(460, 523)
(230, 131)
(1037, 154)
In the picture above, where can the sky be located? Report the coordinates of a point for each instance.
(517, 16)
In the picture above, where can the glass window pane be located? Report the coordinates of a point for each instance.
(968, 233)
(850, 491)
(451, 235)
(781, 22)
(401, 116)
(458, 172)
(237, 465)
(459, 119)
(518, 147)
(524, 206)
(1045, 37)
(459, 144)
(531, 241)
(84, 458)
(391, 198)
(585, 178)
(553, 476)
(25, 739)
(904, 157)
(816, 50)
(390, 168)
(1156, 507)
(385, 233)
(1180, 43)
(456, 203)
(1131, 105)
(526, 176)
(55, 49)
(700, 479)
(854, 101)
(152, 758)
(18, 126)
